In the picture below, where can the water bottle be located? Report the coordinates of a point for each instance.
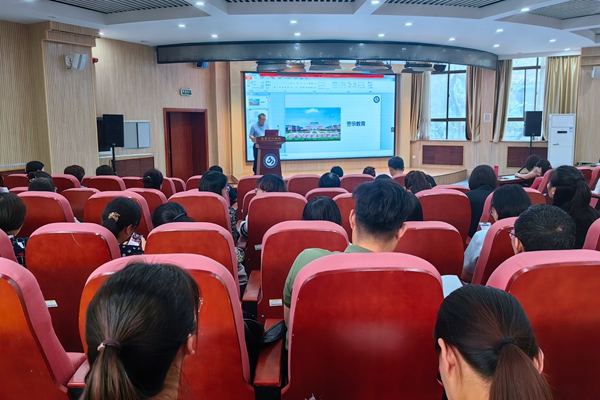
(496, 171)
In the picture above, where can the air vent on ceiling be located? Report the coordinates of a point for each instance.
(569, 9)
(117, 6)
(455, 3)
(290, 1)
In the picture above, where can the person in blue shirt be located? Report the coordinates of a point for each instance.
(257, 130)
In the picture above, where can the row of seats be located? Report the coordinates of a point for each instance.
(360, 327)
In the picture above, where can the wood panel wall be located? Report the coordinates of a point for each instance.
(587, 132)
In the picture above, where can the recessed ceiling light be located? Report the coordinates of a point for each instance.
(567, 49)
(293, 21)
(214, 36)
(496, 45)
(181, 25)
(499, 30)
(199, 3)
(101, 33)
(552, 40)
(524, 9)
(381, 35)
(374, 1)
(297, 34)
(408, 24)
(143, 41)
(452, 39)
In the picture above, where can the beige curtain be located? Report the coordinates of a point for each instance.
(416, 90)
(503, 77)
(561, 86)
(474, 87)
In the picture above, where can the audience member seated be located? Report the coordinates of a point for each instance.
(152, 179)
(232, 192)
(104, 170)
(530, 163)
(41, 185)
(265, 184)
(33, 166)
(396, 165)
(121, 216)
(487, 348)
(169, 212)
(540, 168)
(39, 174)
(383, 177)
(543, 227)
(431, 181)
(369, 171)
(507, 201)
(139, 327)
(416, 181)
(322, 208)
(338, 171)
(329, 179)
(12, 217)
(482, 182)
(377, 224)
(76, 170)
(568, 190)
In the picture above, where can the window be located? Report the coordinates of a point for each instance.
(449, 104)
(526, 94)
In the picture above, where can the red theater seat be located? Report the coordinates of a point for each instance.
(265, 211)
(77, 199)
(534, 195)
(360, 328)
(351, 181)
(587, 173)
(18, 189)
(61, 256)
(6, 248)
(219, 369)
(245, 185)
(16, 180)
(179, 185)
(592, 239)
(560, 292)
(63, 182)
(97, 203)
(105, 183)
(460, 188)
(327, 192)
(592, 184)
(33, 365)
(193, 182)
(543, 188)
(133, 182)
(345, 203)
(44, 208)
(168, 187)
(449, 206)
(303, 183)
(246, 203)
(496, 249)
(399, 178)
(153, 197)
(536, 183)
(436, 242)
(204, 207)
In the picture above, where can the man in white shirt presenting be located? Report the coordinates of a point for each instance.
(258, 129)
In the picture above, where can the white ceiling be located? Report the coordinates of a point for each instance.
(472, 23)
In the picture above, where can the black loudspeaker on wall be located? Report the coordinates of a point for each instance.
(114, 130)
(533, 123)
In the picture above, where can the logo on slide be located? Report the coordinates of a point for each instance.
(270, 161)
(376, 99)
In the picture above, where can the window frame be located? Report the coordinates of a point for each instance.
(449, 71)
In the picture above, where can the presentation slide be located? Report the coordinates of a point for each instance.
(324, 115)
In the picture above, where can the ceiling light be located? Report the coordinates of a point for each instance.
(381, 35)
(214, 36)
(499, 30)
(181, 25)
(297, 34)
(293, 21)
(199, 3)
(496, 45)
(408, 24)
(567, 49)
(524, 9)
(552, 40)
(375, 2)
(452, 39)
(101, 33)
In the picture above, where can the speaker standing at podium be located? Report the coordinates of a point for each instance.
(258, 129)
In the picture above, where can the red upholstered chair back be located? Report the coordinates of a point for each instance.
(360, 328)
(281, 245)
(246, 203)
(592, 184)
(460, 188)
(203, 238)
(6, 248)
(436, 242)
(535, 196)
(77, 199)
(399, 178)
(105, 183)
(543, 188)
(328, 192)
(61, 256)
(351, 181)
(168, 187)
(560, 292)
(219, 369)
(16, 180)
(179, 184)
(245, 185)
(133, 182)
(44, 208)
(33, 364)
(204, 207)
(85, 181)
(265, 211)
(345, 203)
(97, 203)
(592, 239)
(536, 183)
(587, 173)
(449, 206)
(153, 197)
(18, 189)
(65, 181)
(193, 182)
(303, 183)
(496, 249)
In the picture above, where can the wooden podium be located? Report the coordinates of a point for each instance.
(268, 161)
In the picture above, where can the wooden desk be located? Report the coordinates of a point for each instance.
(508, 179)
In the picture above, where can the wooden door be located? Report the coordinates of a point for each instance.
(186, 142)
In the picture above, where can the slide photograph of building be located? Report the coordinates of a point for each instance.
(313, 124)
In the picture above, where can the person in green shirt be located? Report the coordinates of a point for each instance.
(377, 222)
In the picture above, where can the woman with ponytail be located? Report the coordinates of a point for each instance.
(139, 327)
(153, 179)
(487, 349)
(568, 190)
(121, 216)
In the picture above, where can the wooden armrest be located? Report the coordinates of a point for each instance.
(253, 287)
(268, 367)
(78, 378)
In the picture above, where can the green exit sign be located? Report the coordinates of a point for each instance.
(186, 92)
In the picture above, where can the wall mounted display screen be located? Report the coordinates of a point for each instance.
(324, 115)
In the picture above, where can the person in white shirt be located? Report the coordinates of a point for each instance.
(257, 130)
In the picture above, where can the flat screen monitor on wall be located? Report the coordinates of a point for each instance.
(324, 116)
